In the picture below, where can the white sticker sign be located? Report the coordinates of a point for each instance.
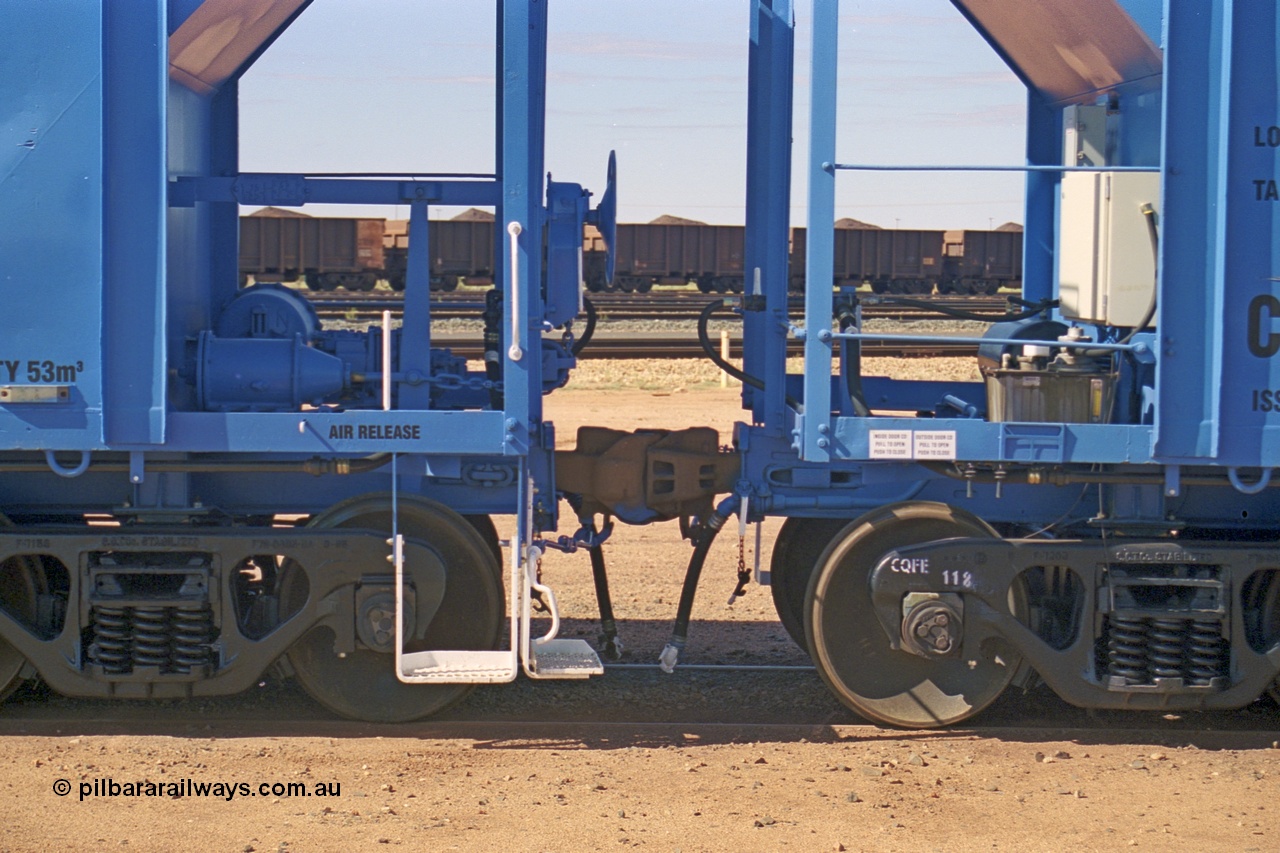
(912, 444)
(940, 444)
(890, 443)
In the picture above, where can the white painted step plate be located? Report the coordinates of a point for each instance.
(565, 659)
(457, 667)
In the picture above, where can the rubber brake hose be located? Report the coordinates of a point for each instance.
(704, 338)
(706, 535)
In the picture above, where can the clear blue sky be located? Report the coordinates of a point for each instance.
(408, 85)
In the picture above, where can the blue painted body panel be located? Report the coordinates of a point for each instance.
(1222, 255)
(51, 207)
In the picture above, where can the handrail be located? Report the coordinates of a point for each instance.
(514, 352)
(871, 167)
(827, 335)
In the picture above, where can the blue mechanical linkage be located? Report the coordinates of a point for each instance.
(586, 537)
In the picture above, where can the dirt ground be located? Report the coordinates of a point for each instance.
(618, 787)
(799, 773)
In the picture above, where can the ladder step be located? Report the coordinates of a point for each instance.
(565, 659)
(458, 667)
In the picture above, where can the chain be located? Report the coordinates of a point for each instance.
(454, 382)
(539, 605)
(744, 576)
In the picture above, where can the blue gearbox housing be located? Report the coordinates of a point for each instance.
(267, 352)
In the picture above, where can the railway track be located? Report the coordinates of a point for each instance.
(626, 306)
(717, 696)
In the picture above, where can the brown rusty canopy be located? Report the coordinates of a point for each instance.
(1067, 50)
(221, 39)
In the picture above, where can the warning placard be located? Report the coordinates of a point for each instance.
(890, 443)
(912, 444)
(939, 444)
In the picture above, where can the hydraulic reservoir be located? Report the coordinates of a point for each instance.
(1048, 396)
(1033, 388)
(1106, 261)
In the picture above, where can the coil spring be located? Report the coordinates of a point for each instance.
(1207, 655)
(151, 637)
(111, 648)
(1127, 649)
(192, 631)
(1170, 639)
(1142, 650)
(172, 639)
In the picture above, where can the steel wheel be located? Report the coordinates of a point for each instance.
(21, 581)
(800, 543)
(363, 685)
(1260, 599)
(483, 525)
(851, 649)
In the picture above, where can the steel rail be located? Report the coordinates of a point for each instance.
(631, 307)
(606, 345)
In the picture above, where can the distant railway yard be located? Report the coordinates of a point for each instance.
(662, 324)
(665, 305)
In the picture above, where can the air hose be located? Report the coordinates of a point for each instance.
(1149, 213)
(704, 338)
(706, 535)
(1031, 308)
(588, 330)
(610, 645)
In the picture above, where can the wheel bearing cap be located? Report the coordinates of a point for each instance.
(932, 628)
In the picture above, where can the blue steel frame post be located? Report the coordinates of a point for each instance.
(524, 43)
(1044, 148)
(135, 190)
(820, 240)
(415, 331)
(224, 217)
(501, 258)
(769, 75)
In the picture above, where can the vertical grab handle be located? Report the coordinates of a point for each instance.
(386, 361)
(514, 351)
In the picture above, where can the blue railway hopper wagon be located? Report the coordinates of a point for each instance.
(200, 481)
(1099, 512)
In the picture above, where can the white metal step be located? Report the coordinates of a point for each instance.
(454, 667)
(564, 659)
